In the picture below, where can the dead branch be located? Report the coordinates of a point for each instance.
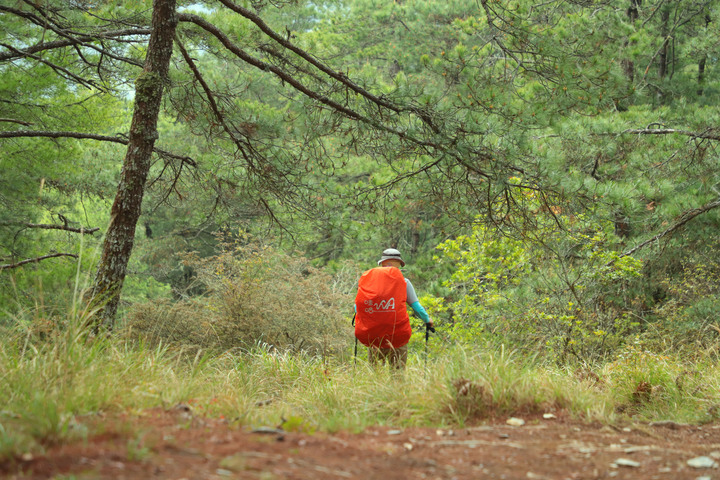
(91, 136)
(708, 134)
(35, 260)
(41, 226)
(684, 218)
(12, 120)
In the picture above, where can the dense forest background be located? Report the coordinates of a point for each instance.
(548, 169)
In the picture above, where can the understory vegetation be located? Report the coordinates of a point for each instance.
(59, 377)
(265, 340)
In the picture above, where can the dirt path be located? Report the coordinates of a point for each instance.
(174, 445)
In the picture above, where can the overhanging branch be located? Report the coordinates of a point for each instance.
(62, 134)
(12, 120)
(338, 76)
(60, 70)
(16, 53)
(242, 145)
(284, 76)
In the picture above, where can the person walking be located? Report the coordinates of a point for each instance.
(382, 322)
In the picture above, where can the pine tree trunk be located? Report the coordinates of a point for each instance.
(664, 49)
(632, 14)
(663, 58)
(126, 209)
(702, 63)
(701, 75)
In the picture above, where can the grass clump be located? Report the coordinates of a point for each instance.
(649, 386)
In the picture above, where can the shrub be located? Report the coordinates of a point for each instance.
(568, 295)
(253, 295)
(648, 385)
(686, 319)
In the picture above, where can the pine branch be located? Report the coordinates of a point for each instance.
(83, 40)
(60, 70)
(91, 136)
(684, 218)
(62, 134)
(12, 120)
(55, 227)
(709, 134)
(242, 145)
(284, 76)
(339, 76)
(68, 37)
(35, 260)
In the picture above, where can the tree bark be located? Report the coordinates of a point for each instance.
(633, 14)
(664, 58)
(664, 54)
(127, 207)
(702, 63)
(701, 75)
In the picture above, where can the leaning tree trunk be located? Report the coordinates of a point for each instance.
(120, 236)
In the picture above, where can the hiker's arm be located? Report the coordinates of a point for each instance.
(414, 303)
(417, 308)
(354, 305)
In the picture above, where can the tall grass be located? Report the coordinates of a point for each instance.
(49, 386)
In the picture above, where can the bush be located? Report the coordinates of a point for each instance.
(254, 295)
(569, 295)
(686, 319)
(647, 385)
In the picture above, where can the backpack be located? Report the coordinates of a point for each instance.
(381, 318)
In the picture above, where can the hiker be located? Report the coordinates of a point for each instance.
(382, 322)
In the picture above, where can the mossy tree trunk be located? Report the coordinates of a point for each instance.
(127, 207)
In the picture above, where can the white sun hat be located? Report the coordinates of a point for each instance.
(391, 254)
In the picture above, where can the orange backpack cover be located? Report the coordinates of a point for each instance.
(381, 318)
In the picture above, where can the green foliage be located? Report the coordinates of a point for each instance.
(253, 295)
(567, 296)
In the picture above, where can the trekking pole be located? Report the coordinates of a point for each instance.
(356, 340)
(428, 329)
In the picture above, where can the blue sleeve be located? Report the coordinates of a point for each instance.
(417, 308)
(414, 303)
